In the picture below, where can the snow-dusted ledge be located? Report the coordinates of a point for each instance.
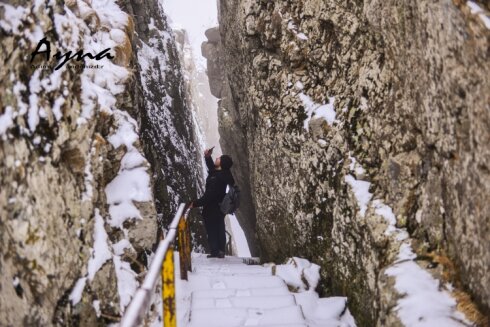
(423, 300)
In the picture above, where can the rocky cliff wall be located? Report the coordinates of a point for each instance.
(362, 129)
(232, 130)
(158, 96)
(78, 210)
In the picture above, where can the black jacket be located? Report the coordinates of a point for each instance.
(216, 183)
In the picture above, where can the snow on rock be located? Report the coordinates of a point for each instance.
(302, 36)
(100, 252)
(133, 181)
(126, 281)
(148, 55)
(100, 86)
(294, 29)
(132, 160)
(12, 18)
(110, 13)
(76, 293)
(16, 281)
(316, 110)
(89, 178)
(363, 196)
(126, 132)
(424, 302)
(299, 273)
(128, 186)
(132, 184)
(120, 246)
(6, 120)
(96, 305)
(387, 213)
(477, 10)
(361, 192)
(331, 311)
(355, 166)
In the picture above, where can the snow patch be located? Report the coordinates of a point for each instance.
(316, 110)
(386, 212)
(12, 18)
(239, 237)
(100, 252)
(16, 281)
(96, 306)
(132, 183)
(120, 246)
(6, 120)
(128, 186)
(477, 10)
(89, 178)
(355, 166)
(125, 134)
(296, 271)
(424, 302)
(76, 293)
(361, 192)
(126, 281)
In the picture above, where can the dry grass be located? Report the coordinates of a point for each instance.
(130, 27)
(124, 52)
(464, 302)
(468, 307)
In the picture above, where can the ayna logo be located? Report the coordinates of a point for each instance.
(62, 59)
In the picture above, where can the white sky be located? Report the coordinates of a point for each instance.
(195, 16)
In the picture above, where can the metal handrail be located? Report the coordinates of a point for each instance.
(139, 305)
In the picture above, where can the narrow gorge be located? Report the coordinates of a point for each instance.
(359, 132)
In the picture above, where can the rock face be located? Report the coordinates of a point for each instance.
(233, 139)
(351, 117)
(77, 215)
(158, 98)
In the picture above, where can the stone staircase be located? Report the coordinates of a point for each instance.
(228, 293)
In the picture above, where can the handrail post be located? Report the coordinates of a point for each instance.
(168, 289)
(183, 248)
(162, 265)
(188, 246)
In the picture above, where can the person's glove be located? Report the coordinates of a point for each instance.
(208, 152)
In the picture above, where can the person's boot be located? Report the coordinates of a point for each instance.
(212, 255)
(221, 255)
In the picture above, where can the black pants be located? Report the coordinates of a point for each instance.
(215, 228)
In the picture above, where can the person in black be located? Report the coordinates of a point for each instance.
(219, 177)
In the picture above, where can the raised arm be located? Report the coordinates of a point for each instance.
(209, 159)
(209, 163)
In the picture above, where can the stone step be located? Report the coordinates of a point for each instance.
(224, 293)
(237, 317)
(255, 302)
(207, 282)
(232, 270)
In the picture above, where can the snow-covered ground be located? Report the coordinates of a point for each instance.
(227, 293)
